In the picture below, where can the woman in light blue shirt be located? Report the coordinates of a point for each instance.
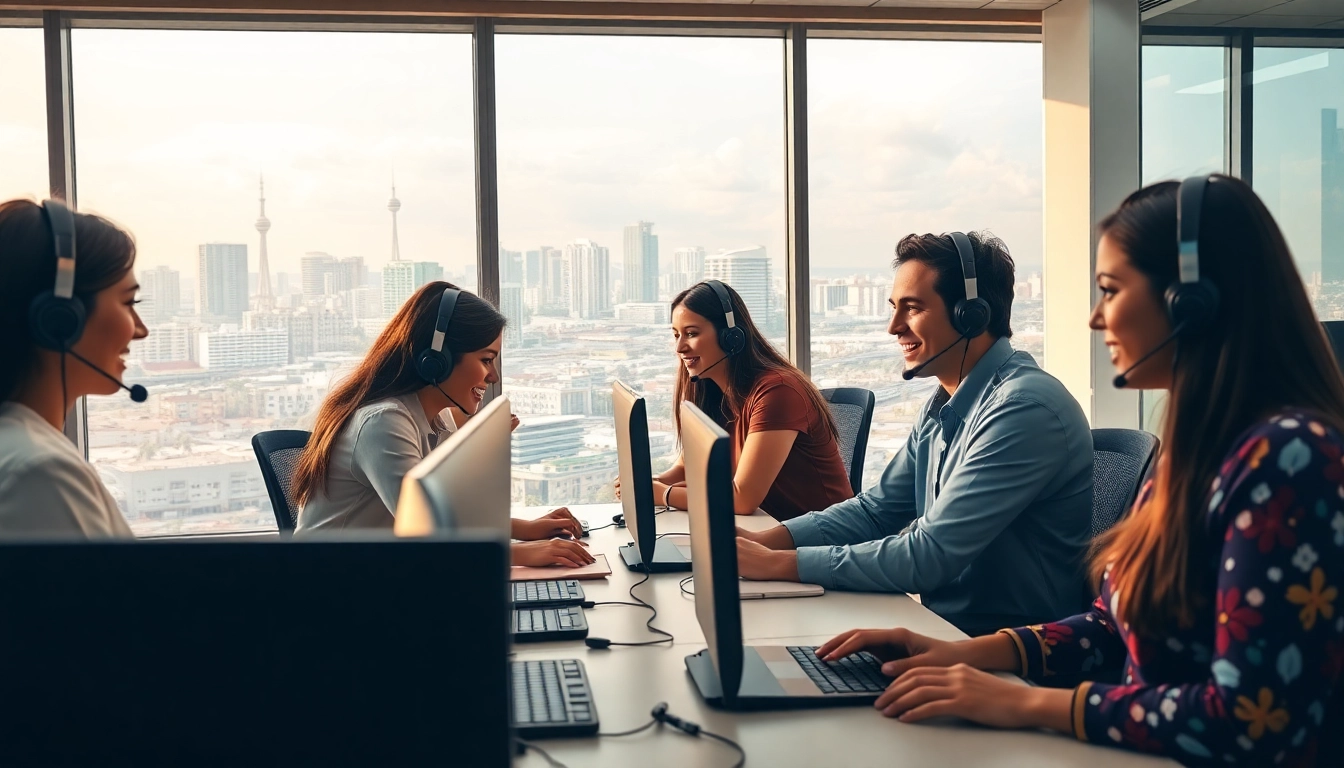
(389, 413)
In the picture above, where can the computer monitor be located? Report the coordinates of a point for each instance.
(320, 650)
(646, 551)
(709, 490)
(463, 484)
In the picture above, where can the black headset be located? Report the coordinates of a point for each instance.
(56, 318)
(433, 365)
(732, 339)
(1192, 301)
(971, 315)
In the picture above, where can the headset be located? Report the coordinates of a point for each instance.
(1192, 301)
(732, 339)
(433, 365)
(56, 318)
(971, 315)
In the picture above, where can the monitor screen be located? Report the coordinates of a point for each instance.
(709, 490)
(462, 485)
(636, 471)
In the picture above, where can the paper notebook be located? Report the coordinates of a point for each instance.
(597, 570)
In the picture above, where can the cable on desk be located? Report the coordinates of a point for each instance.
(661, 715)
(602, 642)
(523, 746)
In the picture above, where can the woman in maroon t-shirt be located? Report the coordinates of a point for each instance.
(785, 456)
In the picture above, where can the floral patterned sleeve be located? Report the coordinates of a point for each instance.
(1086, 644)
(1260, 696)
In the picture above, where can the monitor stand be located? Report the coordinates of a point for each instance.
(667, 558)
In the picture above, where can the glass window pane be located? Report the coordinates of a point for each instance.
(330, 120)
(629, 168)
(23, 114)
(1299, 162)
(1183, 122)
(914, 136)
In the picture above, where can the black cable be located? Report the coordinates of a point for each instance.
(961, 369)
(632, 731)
(743, 760)
(551, 761)
(682, 585)
(686, 727)
(64, 396)
(602, 642)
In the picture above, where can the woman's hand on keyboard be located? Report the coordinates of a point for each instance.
(901, 649)
(557, 522)
(564, 552)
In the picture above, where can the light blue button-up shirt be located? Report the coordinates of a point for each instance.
(986, 511)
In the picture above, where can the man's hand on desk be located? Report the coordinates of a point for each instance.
(564, 552)
(774, 538)
(759, 562)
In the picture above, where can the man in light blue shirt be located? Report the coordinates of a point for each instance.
(986, 511)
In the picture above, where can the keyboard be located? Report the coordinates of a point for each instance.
(527, 594)
(552, 698)
(857, 673)
(538, 625)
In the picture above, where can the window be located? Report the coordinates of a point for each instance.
(1298, 157)
(914, 136)
(629, 169)
(1183, 134)
(23, 118)
(176, 130)
(1183, 116)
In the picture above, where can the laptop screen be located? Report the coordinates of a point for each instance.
(464, 483)
(709, 489)
(632, 450)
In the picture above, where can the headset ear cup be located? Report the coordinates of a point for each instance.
(1193, 304)
(56, 324)
(433, 367)
(972, 317)
(732, 340)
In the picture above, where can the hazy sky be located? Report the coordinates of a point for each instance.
(595, 133)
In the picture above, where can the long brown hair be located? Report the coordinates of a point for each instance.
(744, 369)
(388, 370)
(28, 268)
(1264, 351)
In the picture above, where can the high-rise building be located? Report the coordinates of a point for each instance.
(162, 287)
(532, 269)
(318, 273)
(403, 278)
(512, 307)
(588, 280)
(747, 270)
(350, 274)
(510, 266)
(640, 263)
(313, 330)
(265, 297)
(222, 281)
(169, 343)
(688, 268)
(1332, 197)
(233, 349)
(555, 277)
(394, 205)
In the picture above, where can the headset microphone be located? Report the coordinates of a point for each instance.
(910, 373)
(1123, 379)
(454, 402)
(138, 393)
(701, 374)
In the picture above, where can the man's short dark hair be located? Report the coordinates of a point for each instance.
(994, 272)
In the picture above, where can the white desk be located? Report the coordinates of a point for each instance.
(628, 682)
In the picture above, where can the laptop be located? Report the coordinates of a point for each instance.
(727, 673)
(646, 551)
(318, 650)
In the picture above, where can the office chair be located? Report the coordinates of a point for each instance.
(852, 409)
(278, 454)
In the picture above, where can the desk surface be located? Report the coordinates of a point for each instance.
(628, 682)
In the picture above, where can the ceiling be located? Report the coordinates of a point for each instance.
(1260, 14)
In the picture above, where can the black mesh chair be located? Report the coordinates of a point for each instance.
(278, 454)
(1121, 459)
(852, 409)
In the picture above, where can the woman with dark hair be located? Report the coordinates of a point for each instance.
(380, 421)
(1219, 611)
(46, 486)
(785, 455)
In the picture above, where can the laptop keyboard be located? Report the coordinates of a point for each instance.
(552, 698)
(857, 673)
(555, 592)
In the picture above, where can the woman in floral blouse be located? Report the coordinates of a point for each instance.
(1218, 637)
